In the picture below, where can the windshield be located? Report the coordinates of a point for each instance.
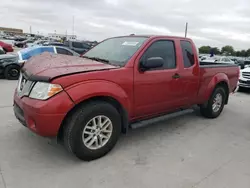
(116, 51)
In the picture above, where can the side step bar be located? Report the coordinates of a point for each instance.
(144, 123)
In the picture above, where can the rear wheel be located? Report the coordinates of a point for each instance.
(92, 130)
(215, 104)
(12, 72)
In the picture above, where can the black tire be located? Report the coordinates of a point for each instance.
(207, 109)
(75, 124)
(12, 72)
(241, 89)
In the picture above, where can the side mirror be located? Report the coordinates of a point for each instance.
(152, 63)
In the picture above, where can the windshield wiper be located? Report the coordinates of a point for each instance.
(97, 59)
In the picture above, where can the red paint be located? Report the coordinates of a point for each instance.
(142, 95)
(6, 47)
(45, 117)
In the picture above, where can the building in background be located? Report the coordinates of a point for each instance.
(7, 30)
(57, 36)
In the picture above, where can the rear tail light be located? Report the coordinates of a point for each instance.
(239, 73)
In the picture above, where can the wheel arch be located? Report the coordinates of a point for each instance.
(220, 79)
(224, 85)
(118, 106)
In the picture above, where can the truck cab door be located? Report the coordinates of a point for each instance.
(190, 74)
(157, 90)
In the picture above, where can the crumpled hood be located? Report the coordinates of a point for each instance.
(47, 66)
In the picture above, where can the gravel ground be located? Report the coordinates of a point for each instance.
(184, 152)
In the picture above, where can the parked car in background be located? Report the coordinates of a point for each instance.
(10, 66)
(20, 39)
(202, 57)
(50, 43)
(77, 46)
(1, 51)
(6, 47)
(87, 102)
(27, 53)
(37, 43)
(23, 44)
(219, 59)
(244, 81)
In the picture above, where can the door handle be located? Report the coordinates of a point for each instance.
(176, 76)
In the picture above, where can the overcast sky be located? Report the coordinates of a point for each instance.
(211, 22)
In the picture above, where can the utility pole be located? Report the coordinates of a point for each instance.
(30, 30)
(73, 27)
(186, 29)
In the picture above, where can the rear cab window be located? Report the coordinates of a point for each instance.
(187, 54)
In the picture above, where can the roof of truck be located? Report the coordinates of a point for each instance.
(154, 36)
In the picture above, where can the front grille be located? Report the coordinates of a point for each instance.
(24, 86)
(244, 82)
(246, 75)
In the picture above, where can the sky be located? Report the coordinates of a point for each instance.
(214, 22)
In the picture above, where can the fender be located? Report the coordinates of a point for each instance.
(220, 77)
(94, 88)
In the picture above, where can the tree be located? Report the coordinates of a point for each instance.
(228, 50)
(204, 49)
(216, 50)
(248, 53)
(238, 53)
(243, 53)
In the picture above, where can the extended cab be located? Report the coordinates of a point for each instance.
(87, 102)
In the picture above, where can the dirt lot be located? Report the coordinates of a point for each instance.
(184, 152)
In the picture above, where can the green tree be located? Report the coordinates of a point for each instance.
(248, 53)
(238, 53)
(243, 53)
(204, 49)
(228, 50)
(216, 50)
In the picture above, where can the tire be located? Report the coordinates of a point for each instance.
(12, 72)
(80, 120)
(240, 89)
(207, 110)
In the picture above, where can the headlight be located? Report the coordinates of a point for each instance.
(43, 90)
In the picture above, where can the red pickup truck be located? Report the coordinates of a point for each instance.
(87, 102)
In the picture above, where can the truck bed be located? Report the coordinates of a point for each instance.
(209, 69)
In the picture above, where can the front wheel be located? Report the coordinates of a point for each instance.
(92, 130)
(215, 104)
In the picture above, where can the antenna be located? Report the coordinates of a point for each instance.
(186, 29)
(73, 27)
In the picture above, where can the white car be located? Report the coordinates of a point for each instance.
(219, 59)
(244, 80)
